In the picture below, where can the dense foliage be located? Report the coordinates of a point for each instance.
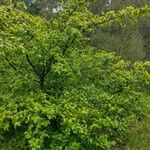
(56, 91)
(132, 42)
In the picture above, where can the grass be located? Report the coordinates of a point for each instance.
(139, 136)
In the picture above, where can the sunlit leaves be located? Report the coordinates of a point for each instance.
(56, 91)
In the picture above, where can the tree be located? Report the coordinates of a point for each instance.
(58, 93)
(126, 42)
(143, 24)
(122, 41)
(43, 8)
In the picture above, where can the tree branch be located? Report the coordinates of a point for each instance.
(74, 9)
(68, 44)
(49, 64)
(10, 63)
(33, 67)
(14, 68)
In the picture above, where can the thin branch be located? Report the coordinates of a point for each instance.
(74, 9)
(118, 91)
(14, 68)
(48, 65)
(68, 44)
(31, 64)
(10, 63)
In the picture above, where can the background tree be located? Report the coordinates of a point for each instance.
(132, 42)
(44, 8)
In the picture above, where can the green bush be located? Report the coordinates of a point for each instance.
(90, 115)
(56, 92)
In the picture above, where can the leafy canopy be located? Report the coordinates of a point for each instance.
(56, 91)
